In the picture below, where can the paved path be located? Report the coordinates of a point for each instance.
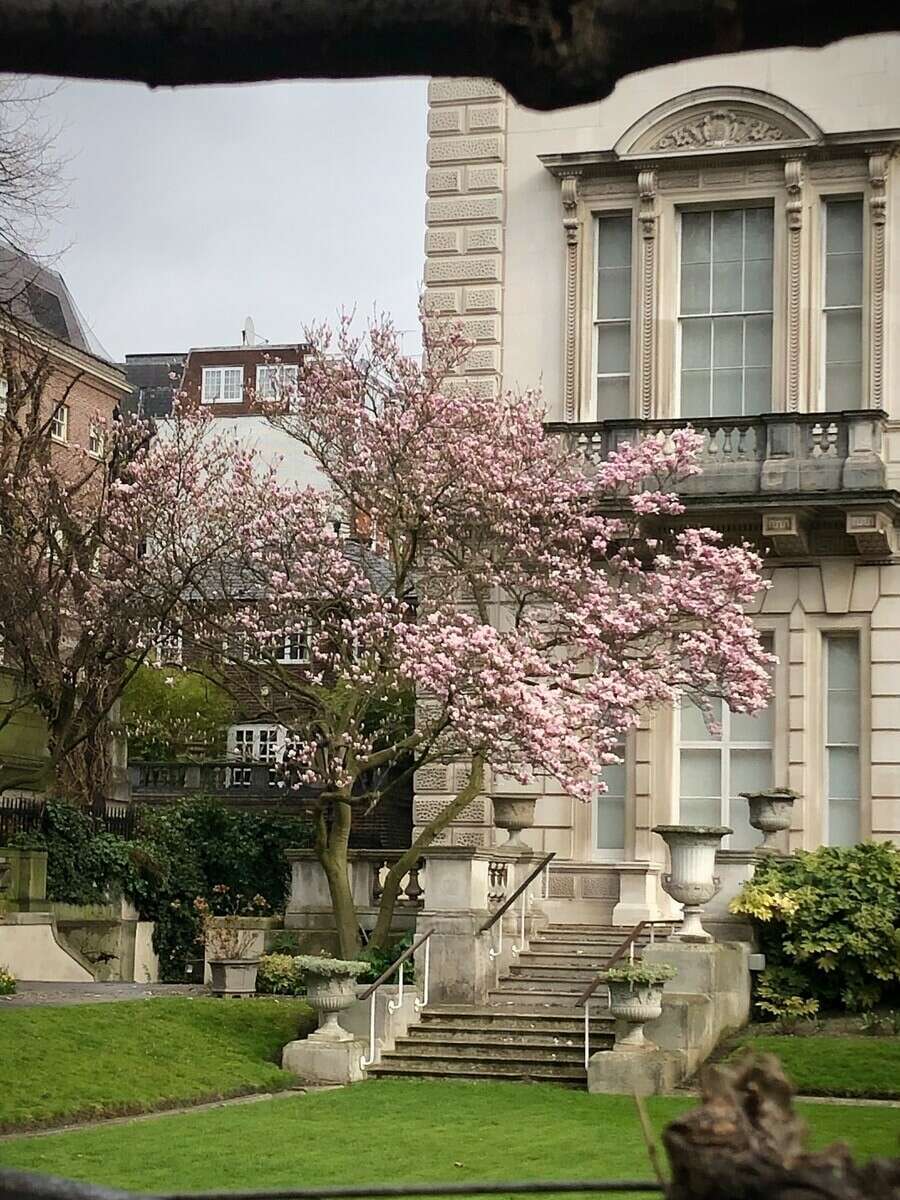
(28, 994)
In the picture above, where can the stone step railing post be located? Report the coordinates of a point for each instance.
(462, 889)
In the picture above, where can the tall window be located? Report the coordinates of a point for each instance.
(609, 812)
(222, 385)
(96, 440)
(255, 744)
(842, 735)
(612, 316)
(274, 380)
(59, 423)
(725, 312)
(842, 303)
(294, 648)
(716, 768)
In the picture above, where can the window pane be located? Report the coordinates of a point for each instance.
(695, 288)
(726, 393)
(757, 391)
(843, 662)
(843, 279)
(696, 343)
(751, 771)
(758, 286)
(610, 822)
(726, 287)
(745, 728)
(695, 230)
(699, 811)
(843, 823)
(614, 241)
(758, 342)
(695, 393)
(693, 723)
(728, 235)
(758, 225)
(614, 293)
(843, 716)
(843, 336)
(612, 398)
(728, 342)
(844, 227)
(701, 773)
(843, 773)
(843, 386)
(613, 349)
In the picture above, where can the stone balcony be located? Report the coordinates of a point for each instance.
(793, 474)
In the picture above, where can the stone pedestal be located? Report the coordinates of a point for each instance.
(638, 894)
(316, 1060)
(455, 906)
(24, 878)
(638, 1070)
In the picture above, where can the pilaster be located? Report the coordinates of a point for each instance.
(648, 217)
(464, 216)
(793, 180)
(572, 228)
(878, 166)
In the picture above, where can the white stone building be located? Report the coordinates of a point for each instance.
(717, 241)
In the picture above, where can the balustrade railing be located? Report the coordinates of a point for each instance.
(499, 871)
(411, 890)
(806, 452)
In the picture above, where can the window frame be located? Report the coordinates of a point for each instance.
(742, 203)
(60, 419)
(614, 853)
(633, 319)
(96, 433)
(221, 369)
(828, 637)
(280, 367)
(825, 197)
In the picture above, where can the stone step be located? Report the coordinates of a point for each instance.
(522, 1066)
(486, 1052)
(507, 1018)
(601, 1038)
(547, 981)
(452, 1069)
(541, 995)
(545, 958)
(580, 973)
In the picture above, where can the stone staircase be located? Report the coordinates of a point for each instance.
(532, 1026)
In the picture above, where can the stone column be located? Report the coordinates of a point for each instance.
(455, 906)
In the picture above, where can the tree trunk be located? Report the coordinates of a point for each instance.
(394, 879)
(334, 859)
(81, 775)
(745, 1142)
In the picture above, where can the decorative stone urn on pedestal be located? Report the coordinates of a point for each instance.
(635, 996)
(514, 813)
(330, 988)
(692, 880)
(770, 812)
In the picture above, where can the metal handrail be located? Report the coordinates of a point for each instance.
(510, 900)
(369, 1059)
(620, 952)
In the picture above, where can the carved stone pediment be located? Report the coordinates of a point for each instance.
(717, 120)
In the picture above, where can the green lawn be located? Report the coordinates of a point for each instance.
(395, 1131)
(841, 1065)
(91, 1060)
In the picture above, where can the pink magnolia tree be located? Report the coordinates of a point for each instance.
(487, 598)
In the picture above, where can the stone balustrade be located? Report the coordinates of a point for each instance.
(770, 453)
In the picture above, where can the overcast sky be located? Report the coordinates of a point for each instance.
(191, 209)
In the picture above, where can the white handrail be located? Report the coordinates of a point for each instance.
(368, 1060)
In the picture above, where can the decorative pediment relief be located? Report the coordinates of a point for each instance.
(717, 120)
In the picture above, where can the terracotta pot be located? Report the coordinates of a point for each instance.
(635, 1003)
(514, 813)
(233, 977)
(692, 880)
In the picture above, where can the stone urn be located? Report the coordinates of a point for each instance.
(692, 880)
(330, 988)
(233, 977)
(635, 997)
(770, 812)
(514, 813)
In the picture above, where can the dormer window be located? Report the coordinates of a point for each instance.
(222, 385)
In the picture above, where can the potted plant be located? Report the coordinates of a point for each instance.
(330, 988)
(229, 945)
(514, 813)
(635, 996)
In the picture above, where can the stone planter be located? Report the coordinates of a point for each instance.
(233, 977)
(692, 881)
(770, 812)
(635, 1003)
(514, 813)
(330, 995)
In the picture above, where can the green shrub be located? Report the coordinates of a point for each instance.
(829, 924)
(167, 712)
(278, 976)
(379, 960)
(7, 982)
(180, 851)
